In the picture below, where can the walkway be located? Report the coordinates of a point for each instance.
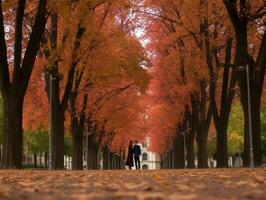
(134, 185)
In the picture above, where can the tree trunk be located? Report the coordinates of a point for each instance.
(45, 160)
(13, 87)
(256, 136)
(92, 153)
(115, 162)
(202, 123)
(105, 158)
(112, 167)
(77, 139)
(221, 119)
(40, 160)
(0, 153)
(111, 160)
(257, 74)
(221, 150)
(179, 153)
(164, 162)
(256, 128)
(123, 159)
(192, 117)
(35, 160)
(92, 158)
(190, 151)
(57, 119)
(12, 132)
(118, 162)
(58, 144)
(113, 157)
(202, 150)
(256, 85)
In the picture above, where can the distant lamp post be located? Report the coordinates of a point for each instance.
(51, 119)
(252, 163)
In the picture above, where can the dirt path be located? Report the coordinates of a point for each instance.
(132, 185)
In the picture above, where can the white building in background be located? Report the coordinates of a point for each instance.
(148, 159)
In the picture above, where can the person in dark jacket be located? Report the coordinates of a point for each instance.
(137, 154)
(130, 161)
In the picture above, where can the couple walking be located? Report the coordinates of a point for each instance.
(133, 151)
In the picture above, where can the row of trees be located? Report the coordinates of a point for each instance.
(36, 149)
(198, 48)
(81, 60)
(36, 144)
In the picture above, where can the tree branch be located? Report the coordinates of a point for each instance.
(4, 71)
(71, 73)
(18, 40)
(261, 61)
(232, 11)
(33, 46)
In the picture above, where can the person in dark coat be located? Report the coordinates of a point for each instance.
(137, 154)
(130, 162)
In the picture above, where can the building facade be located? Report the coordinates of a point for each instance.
(148, 159)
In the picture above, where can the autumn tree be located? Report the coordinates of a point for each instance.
(1, 126)
(183, 40)
(64, 51)
(248, 21)
(15, 74)
(118, 83)
(96, 81)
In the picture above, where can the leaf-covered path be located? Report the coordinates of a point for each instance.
(130, 185)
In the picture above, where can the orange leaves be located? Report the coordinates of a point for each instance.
(36, 109)
(113, 64)
(119, 108)
(167, 96)
(179, 64)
